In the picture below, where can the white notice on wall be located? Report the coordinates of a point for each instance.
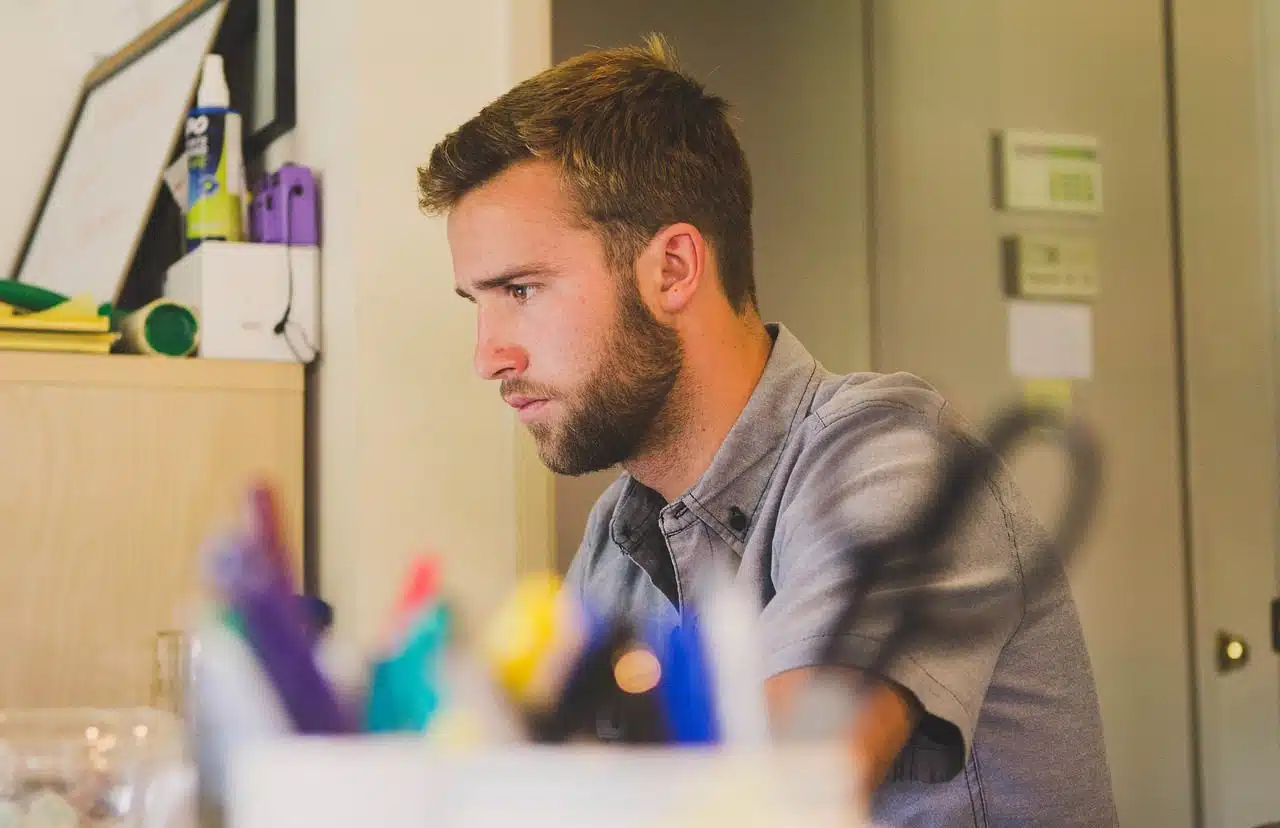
(1050, 340)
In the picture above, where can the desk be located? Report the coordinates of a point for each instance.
(115, 469)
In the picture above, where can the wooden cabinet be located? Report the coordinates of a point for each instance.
(113, 471)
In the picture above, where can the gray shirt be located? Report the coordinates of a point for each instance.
(816, 465)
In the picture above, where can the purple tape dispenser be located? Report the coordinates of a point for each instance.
(285, 208)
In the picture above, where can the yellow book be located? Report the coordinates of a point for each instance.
(78, 314)
(89, 343)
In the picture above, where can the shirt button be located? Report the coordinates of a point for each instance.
(678, 510)
(737, 519)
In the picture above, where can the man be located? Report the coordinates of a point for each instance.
(599, 218)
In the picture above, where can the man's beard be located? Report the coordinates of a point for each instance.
(623, 408)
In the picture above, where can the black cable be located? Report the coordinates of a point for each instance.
(281, 328)
(967, 468)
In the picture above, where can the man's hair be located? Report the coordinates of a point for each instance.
(640, 145)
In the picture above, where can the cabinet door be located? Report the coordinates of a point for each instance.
(107, 494)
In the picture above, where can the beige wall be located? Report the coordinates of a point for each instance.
(794, 75)
(946, 74)
(413, 452)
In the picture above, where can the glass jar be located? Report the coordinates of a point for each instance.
(66, 768)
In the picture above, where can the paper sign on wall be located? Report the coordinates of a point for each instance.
(1056, 173)
(1051, 266)
(1050, 340)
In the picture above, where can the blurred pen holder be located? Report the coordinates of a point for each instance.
(394, 782)
(72, 767)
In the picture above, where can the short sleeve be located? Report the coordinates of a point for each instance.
(863, 475)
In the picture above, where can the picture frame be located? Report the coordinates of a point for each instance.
(274, 111)
(258, 41)
(106, 284)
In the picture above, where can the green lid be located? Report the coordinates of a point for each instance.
(171, 330)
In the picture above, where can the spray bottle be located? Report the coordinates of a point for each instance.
(215, 163)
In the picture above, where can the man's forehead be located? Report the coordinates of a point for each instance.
(498, 220)
(528, 184)
(514, 218)
(496, 235)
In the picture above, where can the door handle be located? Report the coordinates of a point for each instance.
(1233, 652)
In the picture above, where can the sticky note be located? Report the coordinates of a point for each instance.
(1051, 393)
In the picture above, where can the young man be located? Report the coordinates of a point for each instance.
(599, 217)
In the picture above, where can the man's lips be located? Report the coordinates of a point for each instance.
(526, 407)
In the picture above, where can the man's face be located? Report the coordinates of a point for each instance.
(581, 358)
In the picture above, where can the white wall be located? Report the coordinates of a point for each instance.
(793, 73)
(41, 68)
(414, 453)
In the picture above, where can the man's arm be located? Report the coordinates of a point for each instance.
(876, 736)
(861, 478)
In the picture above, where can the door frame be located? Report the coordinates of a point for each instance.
(1225, 184)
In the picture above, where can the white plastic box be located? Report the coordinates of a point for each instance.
(241, 293)
(403, 783)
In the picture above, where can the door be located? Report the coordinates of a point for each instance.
(946, 75)
(1226, 66)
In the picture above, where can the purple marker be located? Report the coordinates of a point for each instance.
(278, 634)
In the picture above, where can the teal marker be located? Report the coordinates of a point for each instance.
(405, 688)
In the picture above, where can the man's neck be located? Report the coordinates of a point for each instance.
(720, 373)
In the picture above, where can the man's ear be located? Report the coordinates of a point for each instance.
(677, 259)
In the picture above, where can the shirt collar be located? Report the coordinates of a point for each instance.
(728, 495)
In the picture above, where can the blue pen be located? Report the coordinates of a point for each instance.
(685, 688)
(278, 635)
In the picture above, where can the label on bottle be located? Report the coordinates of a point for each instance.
(213, 200)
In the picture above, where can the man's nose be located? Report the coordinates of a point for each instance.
(496, 356)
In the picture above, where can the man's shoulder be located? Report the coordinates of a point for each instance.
(886, 400)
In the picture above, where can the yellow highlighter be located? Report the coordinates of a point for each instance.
(534, 640)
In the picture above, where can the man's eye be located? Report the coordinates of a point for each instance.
(520, 293)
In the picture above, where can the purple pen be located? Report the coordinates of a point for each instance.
(277, 633)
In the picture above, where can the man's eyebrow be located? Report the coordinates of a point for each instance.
(504, 278)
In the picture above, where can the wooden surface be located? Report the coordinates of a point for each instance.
(115, 470)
